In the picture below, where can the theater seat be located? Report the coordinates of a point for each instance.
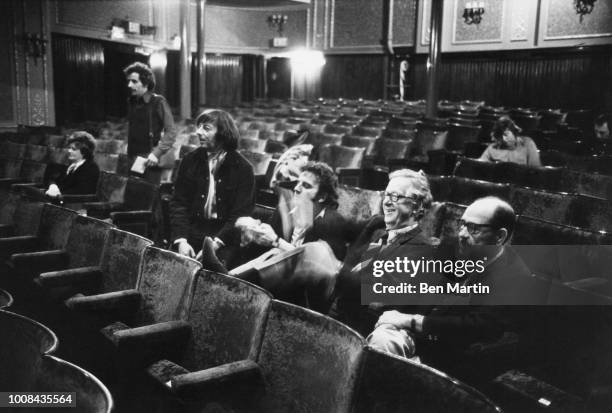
(366, 142)
(19, 216)
(357, 203)
(28, 366)
(389, 383)
(110, 188)
(37, 153)
(116, 270)
(308, 362)
(391, 149)
(227, 321)
(83, 247)
(338, 156)
(449, 227)
(6, 299)
(591, 212)
(559, 251)
(135, 211)
(570, 364)
(52, 233)
(163, 293)
(544, 205)
(253, 145)
(259, 161)
(475, 169)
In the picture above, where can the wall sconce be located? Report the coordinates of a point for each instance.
(472, 14)
(35, 44)
(584, 7)
(278, 21)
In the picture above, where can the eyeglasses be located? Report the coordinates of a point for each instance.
(395, 197)
(472, 228)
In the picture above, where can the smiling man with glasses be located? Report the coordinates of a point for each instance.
(394, 235)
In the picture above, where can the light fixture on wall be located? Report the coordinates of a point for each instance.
(473, 11)
(35, 44)
(277, 22)
(584, 7)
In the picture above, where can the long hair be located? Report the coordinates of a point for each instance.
(502, 124)
(227, 131)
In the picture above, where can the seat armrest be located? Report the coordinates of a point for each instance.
(163, 371)
(528, 393)
(34, 263)
(140, 345)
(123, 303)
(131, 216)
(102, 210)
(79, 199)
(12, 245)
(211, 380)
(74, 276)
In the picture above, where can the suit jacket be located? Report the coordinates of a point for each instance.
(482, 320)
(357, 269)
(331, 228)
(234, 187)
(148, 116)
(84, 180)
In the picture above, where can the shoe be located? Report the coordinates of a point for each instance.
(210, 261)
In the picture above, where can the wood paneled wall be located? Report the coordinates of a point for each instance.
(223, 79)
(353, 76)
(78, 67)
(568, 78)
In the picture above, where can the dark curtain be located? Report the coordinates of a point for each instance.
(78, 76)
(566, 78)
(253, 79)
(223, 79)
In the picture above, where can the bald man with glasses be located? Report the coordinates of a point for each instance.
(442, 333)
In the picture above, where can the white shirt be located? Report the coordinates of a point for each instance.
(394, 233)
(210, 207)
(73, 167)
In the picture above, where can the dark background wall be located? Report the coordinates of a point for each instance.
(353, 76)
(566, 78)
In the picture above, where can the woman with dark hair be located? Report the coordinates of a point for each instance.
(81, 177)
(214, 186)
(508, 146)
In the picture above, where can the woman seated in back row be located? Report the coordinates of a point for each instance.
(81, 177)
(507, 146)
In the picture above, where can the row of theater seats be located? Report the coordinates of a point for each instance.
(172, 333)
(141, 285)
(29, 365)
(567, 248)
(547, 178)
(129, 202)
(464, 122)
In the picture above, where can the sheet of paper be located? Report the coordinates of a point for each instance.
(139, 165)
